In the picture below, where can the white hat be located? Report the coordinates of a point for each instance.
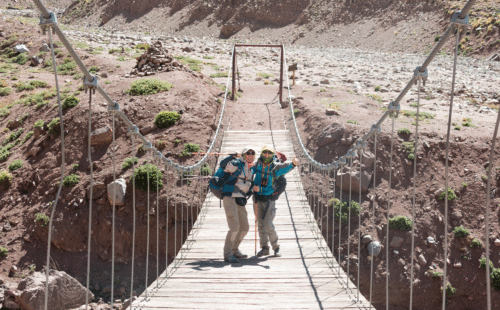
(246, 149)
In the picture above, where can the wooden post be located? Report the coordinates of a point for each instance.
(234, 70)
(281, 77)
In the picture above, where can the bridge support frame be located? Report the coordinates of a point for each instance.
(283, 104)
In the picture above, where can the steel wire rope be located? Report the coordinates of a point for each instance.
(63, 170)
(322, 208)
(349, 225)
(373, 214)
(389, 194)
(114, 215)
(166, 224)
(327, 174)
(175, 224)
(333, 216)
(341, 207)
(157, 224)
(359, 219)
(91, 190)
(182, 218)
(446, 176)
(134, 156)
(148, 222)
(414, 220)
(487, 222)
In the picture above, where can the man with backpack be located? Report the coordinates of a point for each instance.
(237, 185)
(267, 171)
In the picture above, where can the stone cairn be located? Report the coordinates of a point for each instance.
(157, 59)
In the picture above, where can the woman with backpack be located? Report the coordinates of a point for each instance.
(234, 191)
(267, 170)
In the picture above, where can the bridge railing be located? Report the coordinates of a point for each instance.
(336, 208)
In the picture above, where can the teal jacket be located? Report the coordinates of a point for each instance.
(273, 170)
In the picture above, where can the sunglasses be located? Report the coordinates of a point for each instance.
(250, 153)
(267, 152)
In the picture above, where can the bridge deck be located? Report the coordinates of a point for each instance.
(305, 277)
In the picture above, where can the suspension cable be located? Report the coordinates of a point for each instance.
(341, 206)
(63, 170)
(327, 178)
(134, 156)
(114, 215)
(359, 218)
(148, 223)
(90, 201)
(157, 225)
(388, 214)
(373, 214)
(414, 219)
(349, 224)
(333, 215)
(446, 177)
(166, 223)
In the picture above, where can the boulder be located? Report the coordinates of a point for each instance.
(495, 57)
(65, 292)
(332, 112)
(101, 136)
(37, 132)
(44, 48)
(13, 124)
(325, 81)
(350, 179)
(366, 239)
(187, 49)
(396, 242)
(33, 152)
(368, 159)
(21, 48)
(374, 248)
(9, 300)
(120, 189)
(330, 134)
(98, 190)
(421, 260)
(35, 61)
(228, 30)
(497, 242)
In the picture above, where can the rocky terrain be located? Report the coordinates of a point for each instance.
(357, 84)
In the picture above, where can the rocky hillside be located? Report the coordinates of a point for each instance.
(392, 26)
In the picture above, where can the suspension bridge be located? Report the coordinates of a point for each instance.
(308, 275)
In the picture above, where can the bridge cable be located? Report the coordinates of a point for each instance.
(134, 156)
(148, 222)
(63, 169)
(90, 201)
(323, 211)
(414, 219)
(359, 218)
(327, 175)
(446, 172)
(157, 224)
(388, 214)
(340, 214)
(114, 214)
(166, 224)
(374, 197)
(487, 222)
(333, 215)
(349, 223)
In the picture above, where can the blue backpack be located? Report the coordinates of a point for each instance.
(220, 178)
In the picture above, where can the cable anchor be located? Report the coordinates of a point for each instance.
(376, 128)
(460, 22)
(133, 131)
(114, 108)
(417, 74)
(49, 22)
(146, 146)
(92, 85)
(394, 109)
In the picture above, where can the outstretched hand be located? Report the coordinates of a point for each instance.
(295, 161)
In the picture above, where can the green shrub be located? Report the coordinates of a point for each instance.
(219, 74)
(343, 210)
(20, 86)
(378, 88)
(495, 278)
(20, 59)
(128, 162)
(437, 275)
(94, 69)
(3, 252)
(190, 148)
(141, 177)
(40, 98)
(193, 64)
(450, 290)
(5, 91)
(350, 121)
(165, 119)
(265, 75)
(404, 131)
(5, 151)
(27, 137)
(13, 136)
(54, 126)
(39, 123)
(71, 180)
(205, 170)
(148, 87)
(451, 195)
(75, 167)
(461, 232)
(67, 68)
(482, 263)
(161, 145)
(16, 164)
(142, 46)
(400, 222)
(476, 243)
(70, 102)
(409, 148)
(296, 112)
(42, 219)
(5, 178)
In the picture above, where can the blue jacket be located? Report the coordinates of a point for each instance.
(230, 185)
(274, 169)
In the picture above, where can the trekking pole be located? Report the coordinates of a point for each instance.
(255, 211)
(213, 153)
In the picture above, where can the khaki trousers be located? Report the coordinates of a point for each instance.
(237, 220)
(267, 232)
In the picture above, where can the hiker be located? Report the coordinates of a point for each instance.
(266, 169)
(234, 193)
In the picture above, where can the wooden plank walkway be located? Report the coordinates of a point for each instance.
(305, 277)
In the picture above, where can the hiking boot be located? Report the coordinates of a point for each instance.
(231, 259)
(277, 252)
(264, 251)
(240, 255)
